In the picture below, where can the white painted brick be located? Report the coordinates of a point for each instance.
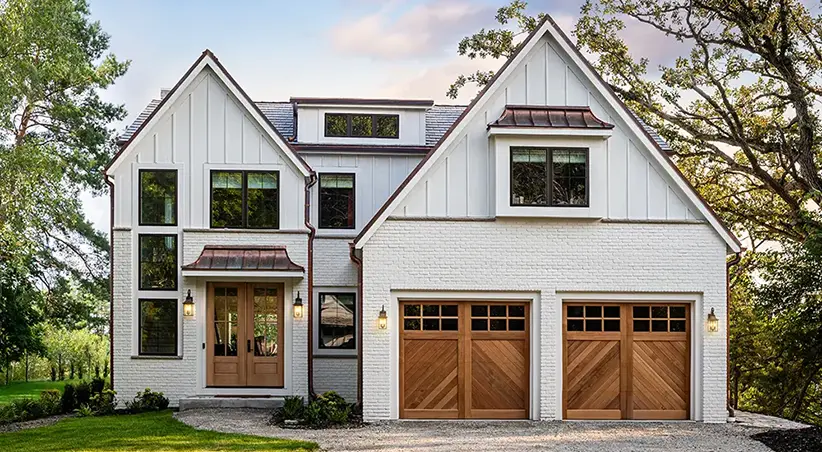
(544, 256)
(336, 374)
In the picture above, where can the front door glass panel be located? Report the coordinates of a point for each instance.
(226, 303)
(265, 321)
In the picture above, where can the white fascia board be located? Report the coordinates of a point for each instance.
(458, 128)
(364, 107)
(626, 117)
(550, 132)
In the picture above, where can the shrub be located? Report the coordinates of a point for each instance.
(147, 401)
(97, 385)
(291, 409)
(26, 409)
(85, 411)
(103, 403)
(313, 415)
(51, 401)
(67, 400)
(82, 394)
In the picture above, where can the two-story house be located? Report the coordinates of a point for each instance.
(534, 254)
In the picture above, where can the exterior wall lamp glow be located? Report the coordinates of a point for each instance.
(298, 307)
(383, 319)
(713, 322)
(188, 305)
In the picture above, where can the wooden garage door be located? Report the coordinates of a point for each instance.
(464, 360)
(626, 361)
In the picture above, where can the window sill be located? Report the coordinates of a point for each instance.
(159, 357)
(326, 355)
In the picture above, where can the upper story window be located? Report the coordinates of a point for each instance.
(549, 177)
(158, 197)
(337, 314)
(362, 125)
(337, 201)
(158, 261)
(245, 199)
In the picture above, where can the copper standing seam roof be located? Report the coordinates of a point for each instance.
(244, 258)
(549, 117)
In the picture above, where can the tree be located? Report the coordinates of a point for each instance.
(19, 334)
(54, 135)
(737, 108)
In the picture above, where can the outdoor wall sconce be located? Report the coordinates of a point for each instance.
(383, 319)
(188, 305)
(713, 322)
(298, 307)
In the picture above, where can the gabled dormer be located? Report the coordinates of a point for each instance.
(385, 122)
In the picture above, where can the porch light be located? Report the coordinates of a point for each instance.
(383, 318)
(713, 322)
(298, 307)
(188, 305)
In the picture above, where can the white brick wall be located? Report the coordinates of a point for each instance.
(332, 263)
(178, 378)
(336, 374)
(546, 257)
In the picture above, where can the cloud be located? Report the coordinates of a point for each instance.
(423, 30)
(433, 81)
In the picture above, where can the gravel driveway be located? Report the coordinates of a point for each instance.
(493, 436)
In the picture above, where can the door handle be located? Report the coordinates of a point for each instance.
(248, 344)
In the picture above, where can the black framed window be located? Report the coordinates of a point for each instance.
(158, 261)
(158, 197)
(362, 125)
(158, 327)
(337, 206)
(245, 199)
(549, 177)
(337, 318)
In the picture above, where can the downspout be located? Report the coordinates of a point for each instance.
(310, 180)
(358, 262)
(734, 260)
(110, 280)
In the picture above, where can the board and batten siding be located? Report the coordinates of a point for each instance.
(205, 129)
(375, 178)
(311, 125)
(461, 184)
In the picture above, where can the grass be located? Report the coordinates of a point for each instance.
(137, 432)
(22, 389)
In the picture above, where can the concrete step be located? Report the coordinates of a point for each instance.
(199, 402)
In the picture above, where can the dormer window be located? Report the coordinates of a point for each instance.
(362, 125)
(549, 177)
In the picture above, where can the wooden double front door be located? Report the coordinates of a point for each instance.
(626, 361)
(244, 335)
(464, 360)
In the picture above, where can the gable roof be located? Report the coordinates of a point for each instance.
(207, 59)
(546, 27)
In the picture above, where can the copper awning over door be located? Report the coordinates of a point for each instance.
(243, 258)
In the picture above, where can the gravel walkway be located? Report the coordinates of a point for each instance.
(493, 436)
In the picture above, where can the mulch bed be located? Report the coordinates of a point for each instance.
(796, 440)
(34, 423)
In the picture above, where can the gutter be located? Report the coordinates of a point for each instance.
(358, 262)
(312, 232)
(110, 184)
(734, 260)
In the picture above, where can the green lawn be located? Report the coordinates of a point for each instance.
(137, 432)
(20, 389)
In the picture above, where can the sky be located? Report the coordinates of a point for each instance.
(279, 49)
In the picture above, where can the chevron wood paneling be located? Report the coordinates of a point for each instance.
(430, 379)
(660, 380)
(593, 375)
(499, 378)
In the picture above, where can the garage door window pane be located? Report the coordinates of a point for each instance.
(593, 311)
(611, 325)
(677, 326)
(431, 310)
(659, 312)
(659, 325)
(450, 324)
(642, 312)
(642, 325)
(412, 310)
(575, 325)
(412, 324)
(516, 325)
(479, 324)
(449, 310)
(593, 325)
(479, 311)
(575, 311)
(497, 311)
(612, 311)
(497, 324)
(431, 324)
(677, 312)
(516, 311)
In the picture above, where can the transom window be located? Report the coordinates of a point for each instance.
(158, 197)
(337, 314)
(337, 205)
(431, 317)
(245, 199)
(362, 125)
(158, 327)
(549, 177)
(158, 261)
(593, 317)
(659, 319)
(498, 317)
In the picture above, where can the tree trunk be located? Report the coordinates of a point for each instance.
(27, 366)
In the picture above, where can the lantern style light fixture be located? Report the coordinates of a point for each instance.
(713, 322)
(383, 319)
(298, 307)
(188, 305)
